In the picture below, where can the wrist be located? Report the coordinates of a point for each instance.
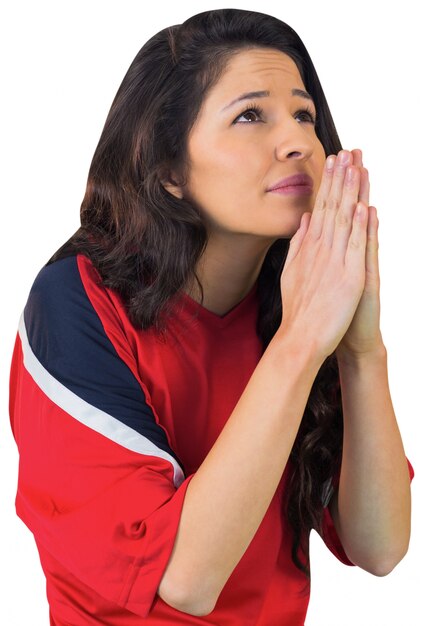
(346, 358)
(301, 350)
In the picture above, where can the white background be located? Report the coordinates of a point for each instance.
(62, 63)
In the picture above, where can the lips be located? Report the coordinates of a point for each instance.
(292, 181)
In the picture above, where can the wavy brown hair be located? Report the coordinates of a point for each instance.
(146, 243)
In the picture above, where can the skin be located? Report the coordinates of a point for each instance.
(232, 166)
(245, 155)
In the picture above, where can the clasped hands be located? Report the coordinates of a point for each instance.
(363, 337)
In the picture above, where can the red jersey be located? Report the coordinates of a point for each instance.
(111, 423)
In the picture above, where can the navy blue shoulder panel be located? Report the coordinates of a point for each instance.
(67, 337)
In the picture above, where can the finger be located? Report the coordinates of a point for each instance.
(364, 193)
(344, 217)
(357, 157)
(297, 239)
(333, 204)
(355, 256)
(317, 217)
(372, 254)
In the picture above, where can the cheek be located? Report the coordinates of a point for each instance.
(225, 172)
(224, 203)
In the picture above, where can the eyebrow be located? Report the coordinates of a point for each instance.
(262, 94)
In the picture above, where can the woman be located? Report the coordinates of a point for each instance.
(193, 381)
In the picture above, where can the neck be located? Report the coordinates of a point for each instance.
(227, 271)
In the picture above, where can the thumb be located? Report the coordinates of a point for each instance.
(297, 239)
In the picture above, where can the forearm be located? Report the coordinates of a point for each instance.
(374, 499)
(232, 489)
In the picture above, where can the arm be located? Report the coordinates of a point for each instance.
(240, 474)
(99, 485)
(372, 510)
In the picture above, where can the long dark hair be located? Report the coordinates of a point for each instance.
(145, 242)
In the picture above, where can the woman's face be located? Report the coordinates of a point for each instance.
(236, 157)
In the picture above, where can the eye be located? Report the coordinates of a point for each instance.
(310, 115)
(251, 109)
(258, 111)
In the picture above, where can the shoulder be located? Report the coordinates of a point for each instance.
(57, 292)
(57, 282)
(70, 329)
(59, 314)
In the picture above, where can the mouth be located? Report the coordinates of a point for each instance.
(299, 190)
(298, 183)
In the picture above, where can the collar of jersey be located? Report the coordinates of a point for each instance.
(200, 312)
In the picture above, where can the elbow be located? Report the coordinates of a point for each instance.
(384, 568)
(182, 600)
(387, 568)
(191, 606)
(198, 609)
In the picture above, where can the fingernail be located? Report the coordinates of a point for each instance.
(344, 157)
(330, 162)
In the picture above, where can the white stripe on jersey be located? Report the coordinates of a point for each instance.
(94, 418)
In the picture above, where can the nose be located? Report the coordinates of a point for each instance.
(293, 142)
(293, 151)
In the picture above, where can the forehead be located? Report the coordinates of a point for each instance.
(255, 69)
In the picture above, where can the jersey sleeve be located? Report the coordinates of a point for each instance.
(329, 533)
(99, 485)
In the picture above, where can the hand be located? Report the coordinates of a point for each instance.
(363, 336)
(323, 277)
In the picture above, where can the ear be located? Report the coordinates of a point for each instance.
(171, 185)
